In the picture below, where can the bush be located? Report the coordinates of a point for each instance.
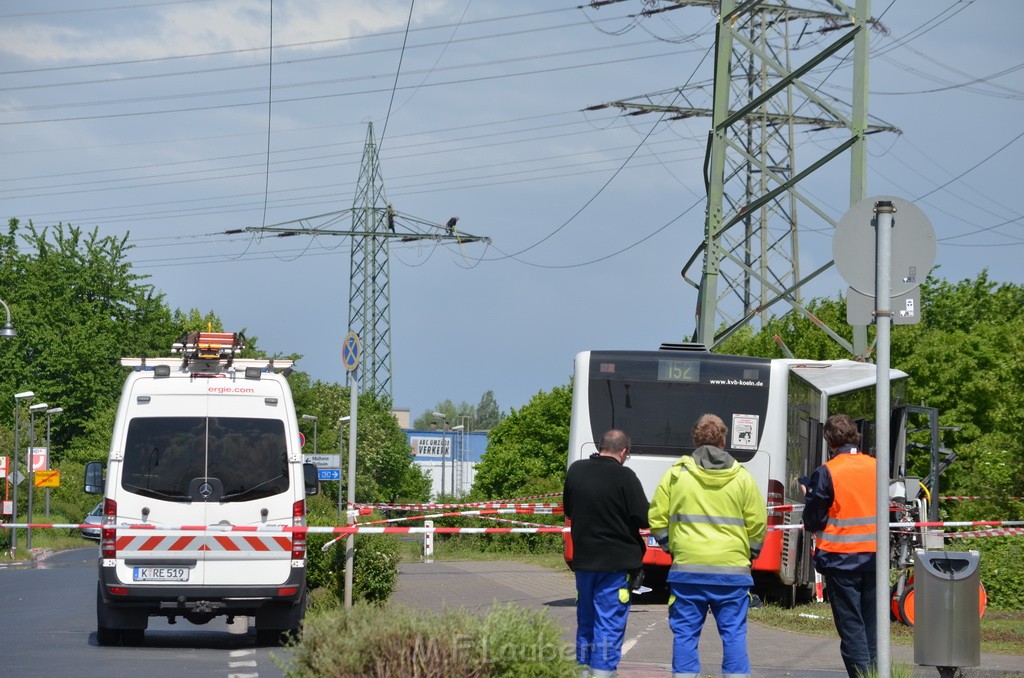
(1001, 568)
(375, 563)
(374, 568)
(373, 641)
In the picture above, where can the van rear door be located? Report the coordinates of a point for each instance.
(254, 485)
(162, 450)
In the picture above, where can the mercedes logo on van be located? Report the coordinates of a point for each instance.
(205, 490)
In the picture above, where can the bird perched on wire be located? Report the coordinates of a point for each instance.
(450, 226)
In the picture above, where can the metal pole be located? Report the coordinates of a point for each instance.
(13, 475)
(884, 210)
(30, 473)
(350, 541)
(14, 471)
(341, 500)
(47, 460)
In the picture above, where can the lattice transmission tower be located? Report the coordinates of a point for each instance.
(754, 169)
(375, 223)
(369, 292)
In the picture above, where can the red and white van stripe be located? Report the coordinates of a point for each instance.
(198, 543)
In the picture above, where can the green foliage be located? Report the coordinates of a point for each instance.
(798, 332)
(488, 414)
(372, 641)
(374, 568)
(485, 416)
(965, 358)
(320, 512)
(383, 456)
(526, 452)
(374, 565)
(384, 468)
(1001, 569)
(77, 307)
(455, 414)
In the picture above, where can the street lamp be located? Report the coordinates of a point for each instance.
(30, 472)
(461, 428)
(312, 418)
(51, 411)
(13, 474)
(445, 418)
(8, 328)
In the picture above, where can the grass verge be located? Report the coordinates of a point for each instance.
(1001, 632)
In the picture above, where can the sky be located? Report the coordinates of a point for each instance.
(174, 123)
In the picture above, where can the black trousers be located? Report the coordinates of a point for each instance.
(852, 597)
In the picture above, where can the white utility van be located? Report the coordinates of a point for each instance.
(211, 441)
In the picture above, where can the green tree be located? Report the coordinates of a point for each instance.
(488, 414)
(526, 452)
(78, 308)
(455, 414)
(965, 358)
(384, 468)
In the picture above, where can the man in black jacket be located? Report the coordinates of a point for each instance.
(607, 507)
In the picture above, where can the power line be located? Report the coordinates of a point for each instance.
(398, 71)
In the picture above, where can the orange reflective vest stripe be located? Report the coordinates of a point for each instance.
(851, 518)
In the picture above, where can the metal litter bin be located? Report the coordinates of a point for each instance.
(947, 627)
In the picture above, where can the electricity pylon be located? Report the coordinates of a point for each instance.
(375, 223)
(750, 252)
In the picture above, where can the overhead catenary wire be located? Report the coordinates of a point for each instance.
(426, 187)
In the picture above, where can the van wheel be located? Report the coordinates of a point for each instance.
(134, 637)
(269, 637)
(105, 636)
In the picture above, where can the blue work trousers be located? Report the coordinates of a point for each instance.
(852, 597)
(687, 610)
(602, 608)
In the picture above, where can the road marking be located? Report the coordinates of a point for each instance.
(250, 661)
(628, 645)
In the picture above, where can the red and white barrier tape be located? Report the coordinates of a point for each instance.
(998, 532)
(479, 512)
(436, 507)
(512, 522)
(364, 529)
(968, 497)
(784, 508)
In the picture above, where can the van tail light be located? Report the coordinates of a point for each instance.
(108, 533)
(299, 538)
(776, 496)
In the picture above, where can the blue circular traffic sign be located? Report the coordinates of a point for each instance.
(350, 351)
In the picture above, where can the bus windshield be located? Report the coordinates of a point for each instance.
(657, 397)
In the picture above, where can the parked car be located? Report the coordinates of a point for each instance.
(95, 517)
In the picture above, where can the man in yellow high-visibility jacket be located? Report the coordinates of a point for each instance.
(709, 514)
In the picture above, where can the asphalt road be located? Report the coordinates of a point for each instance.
(48, 626)
(648, 647)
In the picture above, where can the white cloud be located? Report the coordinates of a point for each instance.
(200, 28)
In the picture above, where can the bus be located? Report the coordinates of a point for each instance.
(775, 410)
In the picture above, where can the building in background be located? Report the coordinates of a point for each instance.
(450, 456)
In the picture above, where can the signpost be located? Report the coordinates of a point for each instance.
(323, 460)
(47, 478)
(329, 473)
(350, 357)
(896, 236)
